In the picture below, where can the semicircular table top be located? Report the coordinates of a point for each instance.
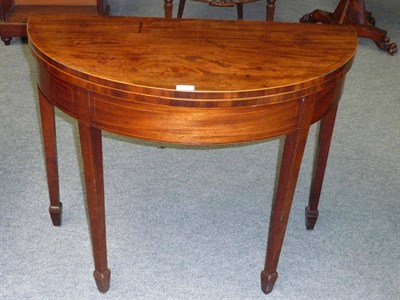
(155, 55)
(192, 82)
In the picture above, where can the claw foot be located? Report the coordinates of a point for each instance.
(386, 45)
(307, 18)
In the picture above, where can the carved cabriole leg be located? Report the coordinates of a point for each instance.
(168, 8)
(317, 16)
(352, 12)
(355, 14)
(379, 36)
(93, 169)
(50, 152)
(324, 141)
(270, 10)
(291, 160)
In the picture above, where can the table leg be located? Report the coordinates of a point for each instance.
(289, 170)
(168, 5)
(6, 40)
(92, 157)
(324, 141)
(50, 153)
(270, 10)
(352, 12)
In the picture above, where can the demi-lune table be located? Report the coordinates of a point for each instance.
(193, 82)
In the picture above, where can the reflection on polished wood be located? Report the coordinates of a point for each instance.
(352, 12)
(178, 81)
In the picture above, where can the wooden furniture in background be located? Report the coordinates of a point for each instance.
(168, 5)
(14, 13)
(352, 12)
(219, 3)
(172, 81)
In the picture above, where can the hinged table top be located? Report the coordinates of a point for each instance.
(154, 55)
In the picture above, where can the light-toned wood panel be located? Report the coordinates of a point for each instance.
(55, 2)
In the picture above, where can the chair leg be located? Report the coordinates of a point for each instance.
(168, 6)
(270, 10)
(181, 8)
(239, 8)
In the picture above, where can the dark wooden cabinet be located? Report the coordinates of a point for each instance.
(14, 13)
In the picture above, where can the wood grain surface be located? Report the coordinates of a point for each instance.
(227, 56)
(251, 81)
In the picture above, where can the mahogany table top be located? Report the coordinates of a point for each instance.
(245, 58)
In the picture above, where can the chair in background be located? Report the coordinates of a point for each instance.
(231, 3)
